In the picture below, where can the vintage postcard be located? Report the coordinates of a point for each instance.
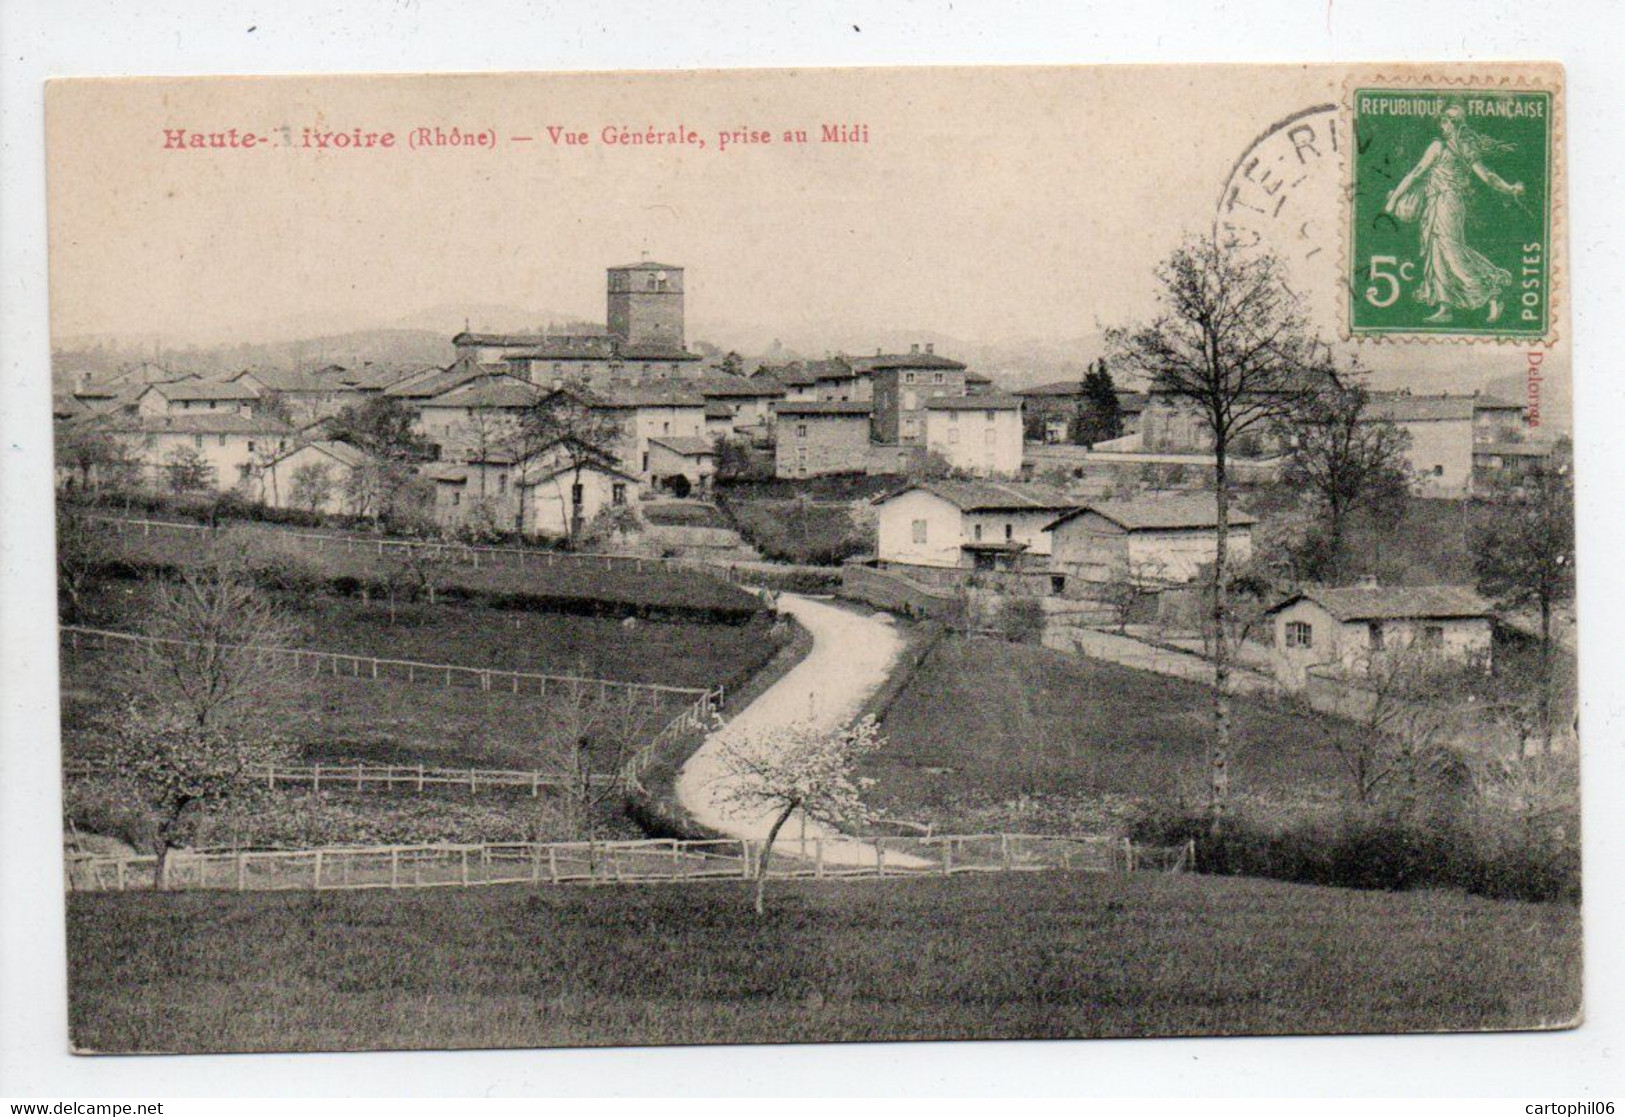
(801, 556)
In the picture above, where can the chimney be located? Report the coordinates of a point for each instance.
(915, 348)
(930, 347)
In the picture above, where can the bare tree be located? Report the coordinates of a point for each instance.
(1347, 459)
(1129, 585)
(1232, 342)
(1525, 559)
(176, 768)
(591, 733)
(580, 431)
(82, 549)
(210, 631)
(798, 767)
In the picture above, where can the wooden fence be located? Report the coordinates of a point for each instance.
(345, 665)
(650, 861)
(465, 553)
(399, 777)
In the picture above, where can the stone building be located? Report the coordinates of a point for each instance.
(902, 383)
(816, 437)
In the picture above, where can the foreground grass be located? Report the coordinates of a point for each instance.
(985, 722)
(1045, 955)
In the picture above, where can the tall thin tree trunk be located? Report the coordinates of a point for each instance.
(767, 851)
(1219, 754)
(1544, 701)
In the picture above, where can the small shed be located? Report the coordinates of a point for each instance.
(1163, 540)
(1345, 629)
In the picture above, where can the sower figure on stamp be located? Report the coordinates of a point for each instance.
(1453, 273)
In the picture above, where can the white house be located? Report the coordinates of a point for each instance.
(1163, 540)
(682, 463)
(290, 479)
(978, 434)
(182, 396)
(657, 410)
(1343, 630)
(229, 446)
(978, 524)
(1445, 431)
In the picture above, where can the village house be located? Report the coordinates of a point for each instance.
(982, 525)
(230, 447)
(838, 380)
(1446, 432)
(1345, 630)
(181, 396)
(477, 414)
(536, 495)
(307, 396)
(1508, 463)
(800, 385)
(681, 464)
(902, 383)
(430, 383)
(326, 465)
(817, 437)
(653, 410)
(980, 435)
(1171, 423)
(747, 401)
(1150, 541)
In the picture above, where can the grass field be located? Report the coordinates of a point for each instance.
(802, 532)
(673, 653)
(572, 581)
(984, 722)
(1043, 955)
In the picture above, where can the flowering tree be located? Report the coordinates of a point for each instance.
(780, 770)
(176, 768)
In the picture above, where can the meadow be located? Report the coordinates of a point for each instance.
(1044, 955)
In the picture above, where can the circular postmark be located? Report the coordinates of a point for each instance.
(1282, 194)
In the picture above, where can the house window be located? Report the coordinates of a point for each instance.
(1009, 532)
(801, 430)
(665, 428)
(936, 378)
(801, 459)
(911, 428)
(578, 493)
(456, 497)
(1438, 471)
(197, 440)
(1431, 638)
(502, 482)
(976, 533)
(646, 461)
(908, 378)
(1374, 630)
(250, 445)
(222, 440)
(919, 531)
(991, 415)
(1300, 634)
(1057, 583)
(617, 493)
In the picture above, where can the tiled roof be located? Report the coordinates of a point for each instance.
(204, 390)
(1373, 603)
(201, 422)
(579, 347)
(449, 472)
(496, 391)
(660, 394)
(689, 446)
(904, 360)
(653, 353)
(454, 375)
(823, 407)
(991, 402)
(716, 409)
(1401, 407)
(977, 378)
(341, 452)
(987, 496)
(1514, 449)
(647, 265)
(738, 387)
(1164, 513)
(469, 338)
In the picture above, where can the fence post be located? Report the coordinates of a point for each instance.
(1128, 853)
(242, 871)
(1190, 851)
(818, 858)
(535, 784)
(420, 778)
(318, 870)
(880, 859)
(1004, 851)
(553, 863)
(316, 779)
(535, 863)
(947, 856)
(119, 873)
(473, 785)
(465, 865)
(744, 857)
(394, 867)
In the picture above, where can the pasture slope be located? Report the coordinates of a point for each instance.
(1006, 956)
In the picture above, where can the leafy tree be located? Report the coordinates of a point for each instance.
(1100, 416)
(177, 768)
(274, 405)
(186, 471)
(1347, 460)
(96, 457)
(799, 767)
(1525, 558)
(312, 486)
(1231, 340)
(381, 427)
(733, 364)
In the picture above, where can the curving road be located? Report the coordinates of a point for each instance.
(852, 655)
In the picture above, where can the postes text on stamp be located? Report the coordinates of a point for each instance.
(1450, 212)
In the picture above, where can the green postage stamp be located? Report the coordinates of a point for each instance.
(1450, 212)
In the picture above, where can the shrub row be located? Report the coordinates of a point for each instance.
(1372, 849)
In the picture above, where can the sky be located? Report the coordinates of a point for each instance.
(1000, 205)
